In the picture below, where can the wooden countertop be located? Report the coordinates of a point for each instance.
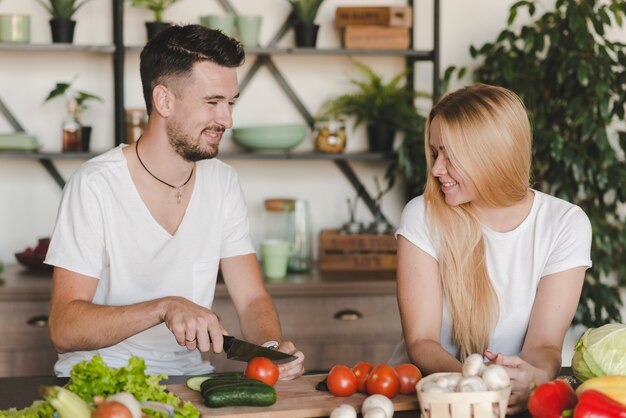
(19, 284)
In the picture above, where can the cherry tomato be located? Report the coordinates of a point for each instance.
(361, 370)
(409, 375)
(551, 399)
(341, 381)
(261, 368)
(383, 380)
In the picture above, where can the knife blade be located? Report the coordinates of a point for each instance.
(244, 351)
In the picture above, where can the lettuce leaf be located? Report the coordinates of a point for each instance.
(94, 377)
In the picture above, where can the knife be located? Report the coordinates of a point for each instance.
(244, 351)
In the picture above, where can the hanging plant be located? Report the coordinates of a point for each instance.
(572, 78)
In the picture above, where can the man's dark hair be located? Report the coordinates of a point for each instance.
(174, 51)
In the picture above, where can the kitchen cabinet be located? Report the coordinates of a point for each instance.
(331, 326)
(333, 318)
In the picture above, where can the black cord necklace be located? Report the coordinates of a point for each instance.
(179, 194)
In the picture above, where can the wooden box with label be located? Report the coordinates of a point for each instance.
(375, 37)
(354, 252)
(395, 16)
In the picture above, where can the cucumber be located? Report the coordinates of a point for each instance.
(194, 382)
(214, 383)
(242, 394)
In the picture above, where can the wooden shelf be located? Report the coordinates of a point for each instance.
(40, 47)
(278, 155)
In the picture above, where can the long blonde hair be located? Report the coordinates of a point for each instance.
(487, 137)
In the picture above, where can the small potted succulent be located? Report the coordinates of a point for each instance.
(157, 7)
(304, 13)
(61, 23)
(78, 101)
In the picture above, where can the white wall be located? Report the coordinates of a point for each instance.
(29, 197)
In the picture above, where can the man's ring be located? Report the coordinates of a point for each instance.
(190, 341)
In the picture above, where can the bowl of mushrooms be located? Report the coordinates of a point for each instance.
(481, 391)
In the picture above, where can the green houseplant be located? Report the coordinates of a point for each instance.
(157, 7)
(80, 99)
(304, 13)
(61, 23)
(386, 108)
(571, 77)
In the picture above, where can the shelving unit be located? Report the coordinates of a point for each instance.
(263, 57)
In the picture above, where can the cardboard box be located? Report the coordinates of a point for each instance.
(359, 252)
(398, 16)
(376, 37)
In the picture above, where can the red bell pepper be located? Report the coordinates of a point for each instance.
(595, 404)
(552, 400)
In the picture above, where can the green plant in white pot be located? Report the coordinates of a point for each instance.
(61, 22)
(304, 13)
(157, 7)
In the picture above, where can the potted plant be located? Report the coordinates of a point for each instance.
(386, 108)
(570, 73)
(77, 100)
(304, 12)
(61, 23)
(158, 7)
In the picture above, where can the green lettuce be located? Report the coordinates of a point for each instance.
(600, 352)
(94, 377)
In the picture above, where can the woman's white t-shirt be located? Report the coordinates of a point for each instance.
(105, 231)
(554, 237)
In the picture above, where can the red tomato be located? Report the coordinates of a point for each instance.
(361, 370)
(551, 399)
(409, 375)
(383, 380)
(341, 381)
(261, 368)
(112, 409)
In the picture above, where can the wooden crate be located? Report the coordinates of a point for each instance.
(360, 252)
(375, 37)
(397, 16)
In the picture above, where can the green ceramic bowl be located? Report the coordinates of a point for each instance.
(270, 137)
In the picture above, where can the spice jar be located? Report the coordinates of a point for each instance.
(330, 135)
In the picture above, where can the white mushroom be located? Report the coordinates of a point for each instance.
(433, 387)
(496, 377)
(471, 384)
(473, 365)
(449, 381)
(378, 401)
(343, 411)
(376, 413)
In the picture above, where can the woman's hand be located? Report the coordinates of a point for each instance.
(293, 369)
(524, 377)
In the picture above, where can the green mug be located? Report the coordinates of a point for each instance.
(15, 28)
(275, 257)
(248, 28)
(224, 23)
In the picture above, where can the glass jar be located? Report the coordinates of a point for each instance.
(330, 135)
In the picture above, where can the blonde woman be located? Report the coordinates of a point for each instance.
(486, 264)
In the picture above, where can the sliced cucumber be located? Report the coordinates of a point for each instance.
(194, 382)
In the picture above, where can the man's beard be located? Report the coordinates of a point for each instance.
(187, 147)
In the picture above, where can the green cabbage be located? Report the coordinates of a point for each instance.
(600, 352)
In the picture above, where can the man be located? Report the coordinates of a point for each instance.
(143, 229)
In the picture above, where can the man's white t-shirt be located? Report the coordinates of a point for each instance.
(554, 237)
(105, 231)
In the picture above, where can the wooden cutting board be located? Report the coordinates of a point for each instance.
(296, 399)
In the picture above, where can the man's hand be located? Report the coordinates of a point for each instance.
(194, 326)
(293, 369)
